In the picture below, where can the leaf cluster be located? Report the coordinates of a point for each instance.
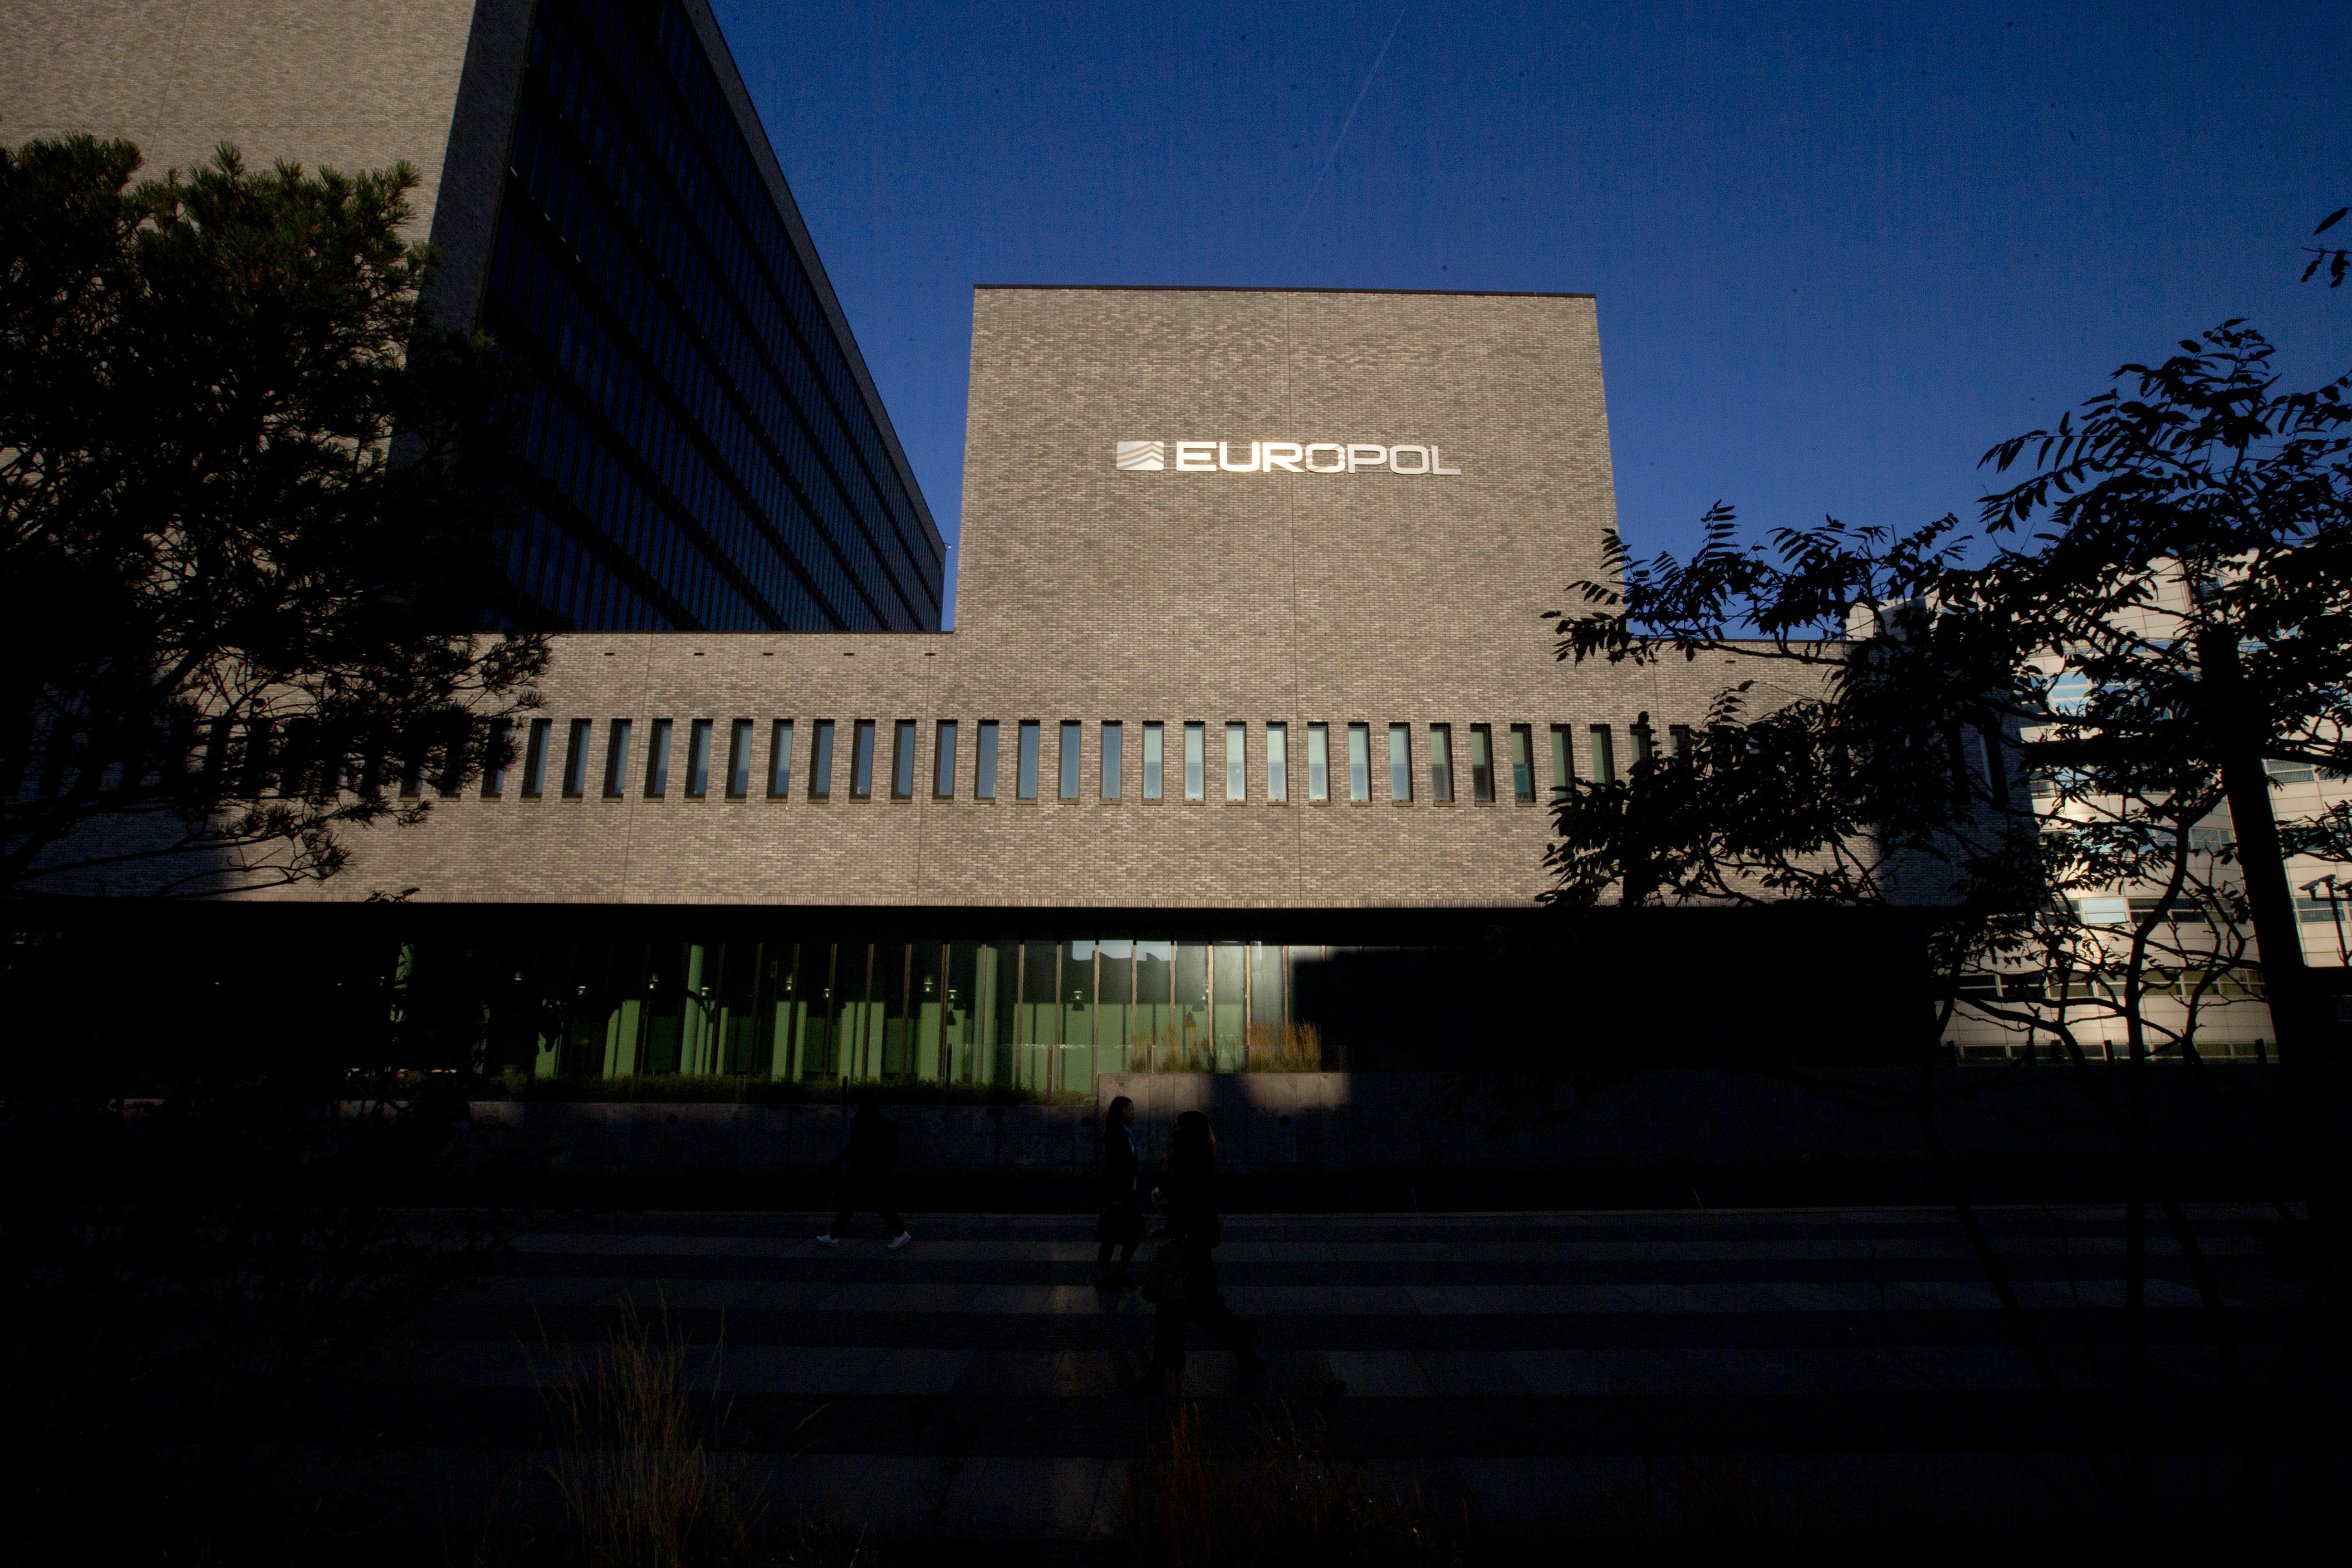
(2021, 725)
(252, 501)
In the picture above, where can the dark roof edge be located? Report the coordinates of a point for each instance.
(763, 154)
(1250, 288)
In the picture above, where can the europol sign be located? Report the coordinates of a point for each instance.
(1279, 457)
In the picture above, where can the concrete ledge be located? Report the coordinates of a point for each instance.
(1336, 1124)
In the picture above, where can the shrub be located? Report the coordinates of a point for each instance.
(639, 1490)
(1274, 1493)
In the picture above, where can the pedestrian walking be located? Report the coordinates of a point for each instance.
(1184, 1281)
(1121, 1226)
(867, 1182)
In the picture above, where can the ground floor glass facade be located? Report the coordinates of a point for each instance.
(1039, 1014)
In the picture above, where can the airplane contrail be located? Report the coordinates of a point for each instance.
(1344, 124)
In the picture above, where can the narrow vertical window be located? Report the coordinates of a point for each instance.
(1563, 760)
(496, 751)
(1153, 742)
(1278, 762)
(657, 760)
(534, 759)
(1482, 764)
(1359, 761)
(943, 760)
(576, 760)
(1523, 764)
(1996, 772)
(1604, 756)
(1318, 762)
(616, 759)
(861, 760)
(984, 770)
(1113, 732)
(1401, 762)
(697, 760)
(738, 760)
(1678, 742)
(821, 761)
(453, 756)
(1236, 762)
(902, 759)
(1196, 746)
(1025, 777)
(1643, 751)
(1068, 759)
(1441, 763)
(780, 760)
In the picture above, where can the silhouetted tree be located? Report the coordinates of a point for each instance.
(214, 1225)
(2150, 621)
(2337, 261)
(251, 498)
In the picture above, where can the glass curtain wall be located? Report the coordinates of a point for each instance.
(1193, 1035)
(1037, 1024)
(1151, 1029)
(1114, 1003)
(927, 1011)
(1033, 1013)
(702, 454)
(1074, 1066)
(1228, 998)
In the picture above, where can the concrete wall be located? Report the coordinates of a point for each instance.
(1278, 1123)
(1321, 1124)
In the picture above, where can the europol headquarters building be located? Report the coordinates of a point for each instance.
(1238, 754)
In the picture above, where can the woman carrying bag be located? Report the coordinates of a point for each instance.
(1182, 1283)
(1121, 1225)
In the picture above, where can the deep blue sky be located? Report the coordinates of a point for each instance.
(1839, 251)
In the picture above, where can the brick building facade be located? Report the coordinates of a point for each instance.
(1238, 756)
(1213, 609)
(1247, 753)
(706, 447)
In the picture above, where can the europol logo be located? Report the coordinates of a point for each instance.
(1280, 458)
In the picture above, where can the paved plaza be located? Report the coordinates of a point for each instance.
(1544, 1371)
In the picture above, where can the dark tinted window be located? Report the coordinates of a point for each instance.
(703, 454)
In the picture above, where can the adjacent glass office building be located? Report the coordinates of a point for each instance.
(706, 455)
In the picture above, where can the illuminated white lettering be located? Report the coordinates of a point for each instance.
(1412, 459)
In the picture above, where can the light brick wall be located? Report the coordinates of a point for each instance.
(351, 84)
(1089, 594)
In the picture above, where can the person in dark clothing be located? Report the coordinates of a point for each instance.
(1188, 1197)
(872, 1155)
(1121, 1225)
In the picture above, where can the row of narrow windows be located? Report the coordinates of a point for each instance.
(1342, 762)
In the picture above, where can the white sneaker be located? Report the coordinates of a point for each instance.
(901, 1239)
(828, 1239)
